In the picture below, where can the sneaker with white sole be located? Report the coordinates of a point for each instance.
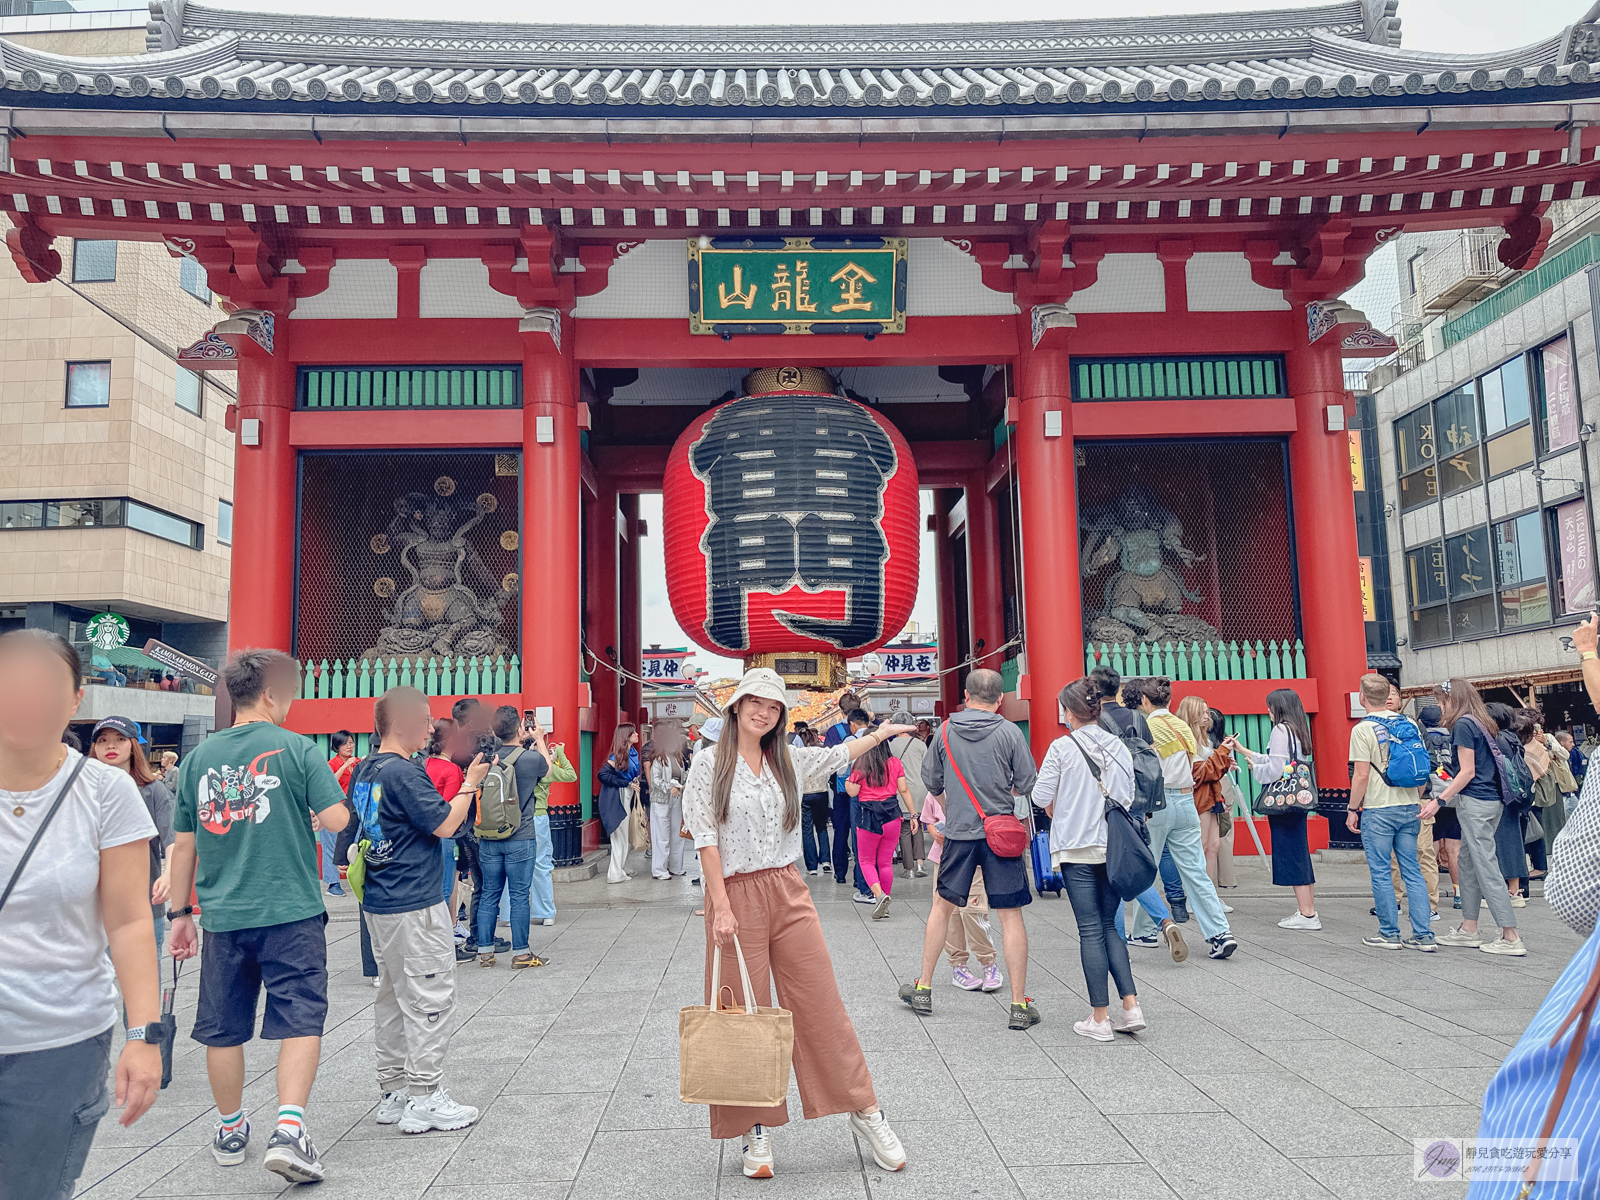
(1148, 940)
(1459, 937)
(1500, 946)
(886, 1148)
(1099, 1031)
(1227, 908)
(1127, 1020)
(992, 979)
(1382, 941)
(1221, 946)
(1519, 902)
(965, 979)
(865, 898)
(228, 1147)
(392, 1107)
(1173, 934)
(436, 1111)
(758, 1153)
(294, 1158)
(1300, 921)
(881, 909)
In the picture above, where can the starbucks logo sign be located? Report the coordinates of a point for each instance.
(108, 630)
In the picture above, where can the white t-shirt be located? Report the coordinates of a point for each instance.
(56, 982)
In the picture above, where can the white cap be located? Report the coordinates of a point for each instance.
(760, 681)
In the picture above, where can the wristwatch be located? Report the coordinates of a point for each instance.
(174, 913)
(150, 1033)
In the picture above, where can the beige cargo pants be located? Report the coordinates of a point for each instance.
(414, 1014)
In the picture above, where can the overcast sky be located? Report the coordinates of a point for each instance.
(1446, 26)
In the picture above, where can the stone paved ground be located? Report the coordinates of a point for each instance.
(1302, 1067)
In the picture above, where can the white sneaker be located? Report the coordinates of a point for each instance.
(881, 908)
(1459, 937)
(886, 1147)
(546, 921)
(1127, 1020)
(1519, 902)
(1227, 908)
(758, 1153)
(392, 1107)
(1300, 921)
(1099, 1031)
(1500, 946)
(377, 983)
(437, 1111)
(865, 898)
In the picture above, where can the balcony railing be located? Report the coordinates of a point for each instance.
(1201, 660)
(1582, 253)
(1460, 271)
(440, 676)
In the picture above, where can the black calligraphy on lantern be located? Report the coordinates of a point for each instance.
(794, 493)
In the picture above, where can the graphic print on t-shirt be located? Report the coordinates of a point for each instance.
(367, 797)
(230, 794)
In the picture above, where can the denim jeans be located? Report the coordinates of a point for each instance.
(1152, 903)
(1096, 905)
(51, 1101)
(1171, 881)
(1177, 828)
(841, 835)
(1394, 830)
(506, 863)
(330, 865)
(542, 895)
(814, 812)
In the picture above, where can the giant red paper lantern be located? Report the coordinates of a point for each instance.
(791, 524)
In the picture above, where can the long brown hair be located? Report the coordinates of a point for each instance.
(1196, 714)
(138, 764)
(619, 746)
(1458, 698)
(774, 749)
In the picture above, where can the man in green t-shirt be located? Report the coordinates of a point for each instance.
(1389, 819)
(251, 802)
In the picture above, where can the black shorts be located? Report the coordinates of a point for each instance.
(290, 960)
(1004, 879)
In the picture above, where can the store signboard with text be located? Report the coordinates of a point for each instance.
(767, 285)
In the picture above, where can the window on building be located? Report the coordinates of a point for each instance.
(189, 391)
(192, 279)
(1460, 456)
(225, 522)
(1558, 395)
(117, 511)
(88, 384)
(1520, 571)
(1426, 581)
(1414, 456)
(1507, 416)
(93, 261)
(163, 524)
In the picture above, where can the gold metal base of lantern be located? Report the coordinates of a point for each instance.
(766, 380)
(804, 669)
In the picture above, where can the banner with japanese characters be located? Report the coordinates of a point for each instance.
(797, 285)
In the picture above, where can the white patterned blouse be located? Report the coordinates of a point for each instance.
(753, 837)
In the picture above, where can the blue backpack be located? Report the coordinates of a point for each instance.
(1410, 765)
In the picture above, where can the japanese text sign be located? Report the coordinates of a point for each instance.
(797, 285)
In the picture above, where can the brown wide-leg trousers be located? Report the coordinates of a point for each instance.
(782, 940)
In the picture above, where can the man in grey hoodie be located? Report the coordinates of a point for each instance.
(992, 755)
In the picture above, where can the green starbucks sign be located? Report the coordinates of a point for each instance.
(755, 285)
(108, 630)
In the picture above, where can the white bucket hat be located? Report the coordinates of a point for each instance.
(759, 681)
(712, 729)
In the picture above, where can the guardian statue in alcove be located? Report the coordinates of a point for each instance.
(1143, 596)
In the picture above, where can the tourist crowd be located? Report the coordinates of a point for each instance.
(443, 821)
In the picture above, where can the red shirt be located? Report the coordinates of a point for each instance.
(446, 776)
(336, 763)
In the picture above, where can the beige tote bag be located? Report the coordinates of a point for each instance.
(734, 1056)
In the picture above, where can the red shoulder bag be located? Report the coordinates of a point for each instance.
(1007, 836)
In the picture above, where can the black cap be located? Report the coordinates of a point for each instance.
(1430, 714)
(127, 727)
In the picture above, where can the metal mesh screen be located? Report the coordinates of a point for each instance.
(1188, 543)
(408, 556)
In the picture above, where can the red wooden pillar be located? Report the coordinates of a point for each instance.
(1048, 499)
(600, 622)
(630, 623)
(1325, 544)
(949, 682)
(261, 583)
(987, 618)
(551, 479)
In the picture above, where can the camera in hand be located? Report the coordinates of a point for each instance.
(487, 745)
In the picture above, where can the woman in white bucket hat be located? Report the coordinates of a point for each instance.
(742, 803)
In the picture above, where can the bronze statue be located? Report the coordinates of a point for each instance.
(1143, 599)
(454, 605)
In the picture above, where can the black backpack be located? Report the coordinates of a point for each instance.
(1149, 789)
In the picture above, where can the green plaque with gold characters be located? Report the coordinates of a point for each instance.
(779, 285)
